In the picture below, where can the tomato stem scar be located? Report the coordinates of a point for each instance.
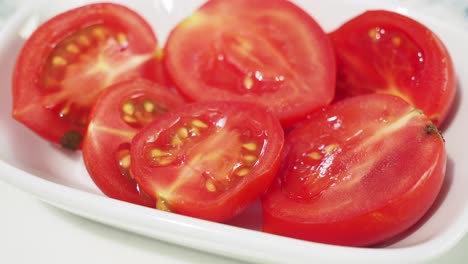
(71, 140)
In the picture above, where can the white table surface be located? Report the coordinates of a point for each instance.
(34, 232)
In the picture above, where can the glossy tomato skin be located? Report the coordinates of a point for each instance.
(53, 89)
(270, 53)
(208, 160)
(357, 173)
(385, 52)
(119, 113)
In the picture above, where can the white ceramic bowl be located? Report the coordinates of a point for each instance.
(59, 177)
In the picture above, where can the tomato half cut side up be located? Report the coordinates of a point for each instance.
(119, 113)
(71, 58)
(357, 173)
(208, 160)
(385, 52)
(270, 53)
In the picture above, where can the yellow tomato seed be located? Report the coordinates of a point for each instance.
(182, 132)
(210, 186)
(330, 148)
(57, 60)
(125, 162)
(248, 82)
(148, 106)
(243, 172)
(176, 141)
(157, 153)
(129, 119)
(122, 39)
(128, 108)
(199, 124)
(72, 48)
(250, 158)
(396, 41)
(83, 40)
(250, 146)
(315, 155)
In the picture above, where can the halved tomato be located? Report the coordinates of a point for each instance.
(357, 173)
(385, 52)
(70, 59)
(208, 160)
(270, 53)
(119, 113)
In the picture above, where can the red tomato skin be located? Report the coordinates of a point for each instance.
(27, 107)
(108, 133)
(318, 93)
(363, 230)
(433, 88)
(366, 228)
(233, 200)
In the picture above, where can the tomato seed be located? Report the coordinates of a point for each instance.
(199, 124)
(57, 60)
(330, 148)
(122, 39)
(210, 186)
(72, 48)
(157, 153)
(182, 132)
(250, 158)
(148, 106)
(125, 162)
(248, 82)
(250, 146)
(176, 141)
(243, 172)
(83, 40)
(128, 108)
(314, 155)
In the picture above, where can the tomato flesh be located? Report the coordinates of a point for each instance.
(267, 52)
(385, 52)
(357, 173)
(120, 112)
(70, 59)
(208, 160)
